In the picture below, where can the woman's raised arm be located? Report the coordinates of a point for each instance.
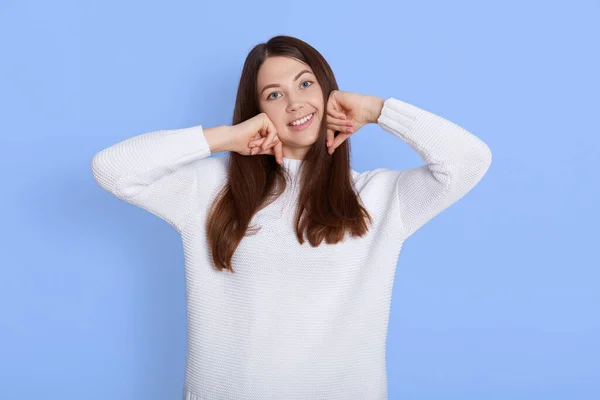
(156, 170)
(455, 161)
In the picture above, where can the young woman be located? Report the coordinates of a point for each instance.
(311, 245)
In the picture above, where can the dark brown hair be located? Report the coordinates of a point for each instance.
(327, 200)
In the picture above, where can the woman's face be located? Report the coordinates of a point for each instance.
(294, 94)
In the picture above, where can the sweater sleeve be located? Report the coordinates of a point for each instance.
(154, 171)
(455, 161)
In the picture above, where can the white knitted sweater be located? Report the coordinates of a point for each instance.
(293, 322)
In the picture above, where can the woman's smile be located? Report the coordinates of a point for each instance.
(306, 123)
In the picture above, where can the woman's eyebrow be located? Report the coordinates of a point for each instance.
(277, 85)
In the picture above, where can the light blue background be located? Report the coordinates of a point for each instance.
(495, 298)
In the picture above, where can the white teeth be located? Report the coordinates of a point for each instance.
(301, 121)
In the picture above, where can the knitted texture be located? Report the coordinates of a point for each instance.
(293, 322)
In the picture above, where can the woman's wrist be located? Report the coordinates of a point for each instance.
(373, 107)
(219, 138)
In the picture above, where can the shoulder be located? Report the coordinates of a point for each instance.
(375, 177)
(377, 185)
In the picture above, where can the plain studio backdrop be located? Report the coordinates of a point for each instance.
(495, 298)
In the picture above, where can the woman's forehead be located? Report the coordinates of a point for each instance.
(276, 69)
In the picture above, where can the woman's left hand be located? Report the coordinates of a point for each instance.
(347, 112)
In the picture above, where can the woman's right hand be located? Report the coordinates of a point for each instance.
(256, 136)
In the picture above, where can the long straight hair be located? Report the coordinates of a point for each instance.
(328, 205)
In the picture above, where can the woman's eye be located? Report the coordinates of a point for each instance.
(271, 98)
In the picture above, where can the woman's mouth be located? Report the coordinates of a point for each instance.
(306, 121)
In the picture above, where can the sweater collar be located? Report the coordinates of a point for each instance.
(292, 164)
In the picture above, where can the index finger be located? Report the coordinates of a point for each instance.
(278, 152)
(271, 132)
(330, 136)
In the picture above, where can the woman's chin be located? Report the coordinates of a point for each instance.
(295, 143)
